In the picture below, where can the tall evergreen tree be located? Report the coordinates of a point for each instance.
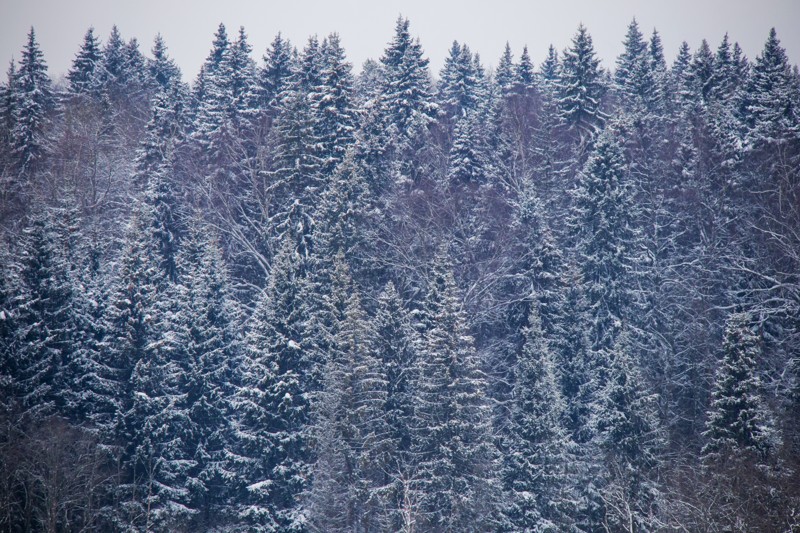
(83, 74)
(273, 404)
(580, 87)
(163, 70)
(351, 431)
(602, 225)
(738, 419)
(455, 480)
(540, 452)
(34, 102)
(406, 105)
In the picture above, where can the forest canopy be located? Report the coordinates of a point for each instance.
(545, 296)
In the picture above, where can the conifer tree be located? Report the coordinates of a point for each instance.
(580, 87)
(504, 73)
(540, 452)
(351, 430)
(163, 71)
(602, 225)
(333, 105)
(145, 392)
(455, 477)
(275, 75)
(628, 434)
(738, 419)
(771, 110)
(33, 104)
(273, 404)
(47, 320)
(406, 106)
(201, 336)
(395, 347)
(84, 72)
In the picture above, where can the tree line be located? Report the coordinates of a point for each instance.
(286, 297)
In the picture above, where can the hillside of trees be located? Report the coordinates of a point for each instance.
(283, 297)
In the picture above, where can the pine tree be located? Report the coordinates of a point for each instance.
(455, 480)
(84, 72)
(297, 160)
(580, 87)
(164, 132)
(113, 64)
(165, 226)
(738, 419)
(634, 76)
(523, 75)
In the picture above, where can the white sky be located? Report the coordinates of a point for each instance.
(366, 26)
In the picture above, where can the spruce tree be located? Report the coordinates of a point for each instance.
(83, 74)
(274, 76)
(738, 420)
(771, 110)
(628, 434)
(163, 70)
(580, 87)
(604, 236)
(352, 441)
(406, 105)
(455, 481)
(539, 451)
(201, 336)
(273, 403)
(34, 102)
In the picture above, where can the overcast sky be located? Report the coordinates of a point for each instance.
(366, 26)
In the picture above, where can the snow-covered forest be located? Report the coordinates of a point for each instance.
(280, 296)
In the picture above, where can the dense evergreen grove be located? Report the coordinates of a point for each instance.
(286, 297)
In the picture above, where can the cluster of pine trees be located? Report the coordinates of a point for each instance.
(290, 298)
